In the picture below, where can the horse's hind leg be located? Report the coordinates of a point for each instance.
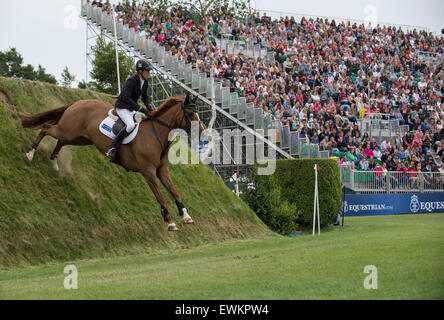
(54, 155)
(80, 141)
(48, 130)
(35, 145)
(163, 174)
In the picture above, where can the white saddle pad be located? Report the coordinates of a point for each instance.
(106, 126)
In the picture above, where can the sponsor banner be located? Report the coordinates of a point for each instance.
(387, 204)
(419, 202)
(367, 204)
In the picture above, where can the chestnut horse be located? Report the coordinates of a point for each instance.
(78, 124)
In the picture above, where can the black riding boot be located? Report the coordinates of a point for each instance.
(116, 142)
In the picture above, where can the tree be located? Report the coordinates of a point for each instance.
(82, 85)
(10, 63)
(11, 66)
(67, 78)
(104, 67)
(41, 75)
(28, 72)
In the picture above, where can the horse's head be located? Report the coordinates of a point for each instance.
(189, 114)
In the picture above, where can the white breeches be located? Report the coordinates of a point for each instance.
(127, 117)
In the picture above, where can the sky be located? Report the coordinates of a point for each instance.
(51, 33)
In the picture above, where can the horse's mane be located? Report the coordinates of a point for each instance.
(166, 105)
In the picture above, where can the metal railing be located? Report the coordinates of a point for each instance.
(245, 46)
(391, 182)
(382, 128)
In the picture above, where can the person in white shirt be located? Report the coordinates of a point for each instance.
(377, 153)
(385, 145)
(422, 84)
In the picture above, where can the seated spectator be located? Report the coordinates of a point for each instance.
(363, 164)
(385, 145)
(351, 155)
(417, 140)
(402, 154)
(377, 153)
(305, 129)
(428, 156)
(426, 142)
(371, 163)
(391, 166)
(341, 145)
(324, 143)
(314, 138)
(440, 148)
(368, 151)
(438, 161)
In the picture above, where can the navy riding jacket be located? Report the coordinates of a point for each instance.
(131, 92)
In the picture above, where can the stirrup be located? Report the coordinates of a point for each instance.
(110, 153)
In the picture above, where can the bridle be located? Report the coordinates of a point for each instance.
(186, 116)
(170, 127)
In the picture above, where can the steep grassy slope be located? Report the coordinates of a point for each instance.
(92, 208)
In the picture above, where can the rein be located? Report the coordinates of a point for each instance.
(160, 122)
(185, 116)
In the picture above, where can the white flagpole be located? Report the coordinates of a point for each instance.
(314, 202)
(117, 52)
(317, 203)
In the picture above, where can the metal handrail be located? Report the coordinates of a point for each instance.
(368, 181)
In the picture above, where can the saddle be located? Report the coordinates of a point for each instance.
(112, 124)
(119, 124)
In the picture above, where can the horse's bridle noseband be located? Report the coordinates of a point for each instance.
(186, 116)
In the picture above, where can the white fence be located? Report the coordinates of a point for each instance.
(391, 182)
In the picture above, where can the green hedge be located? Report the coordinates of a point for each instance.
(284, 200)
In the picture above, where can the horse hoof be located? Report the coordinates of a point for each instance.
(188, 220)
(172, 227)
(186, 217)
(30, 155)
(55, 165)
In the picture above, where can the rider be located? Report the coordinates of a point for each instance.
(126, 104)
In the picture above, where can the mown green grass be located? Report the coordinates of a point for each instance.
(92, 208)
(407, 250)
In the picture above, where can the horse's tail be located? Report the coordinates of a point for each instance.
(48, 117)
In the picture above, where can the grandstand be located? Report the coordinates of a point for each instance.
(329, 87)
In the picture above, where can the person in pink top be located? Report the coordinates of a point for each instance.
(400, 177)
(378, 174)
(368, 151)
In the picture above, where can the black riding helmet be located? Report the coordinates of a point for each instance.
(143, 65)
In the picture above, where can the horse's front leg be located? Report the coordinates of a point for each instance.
(151, 179)
(164, 175)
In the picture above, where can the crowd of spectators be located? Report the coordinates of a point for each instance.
(325, 76)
